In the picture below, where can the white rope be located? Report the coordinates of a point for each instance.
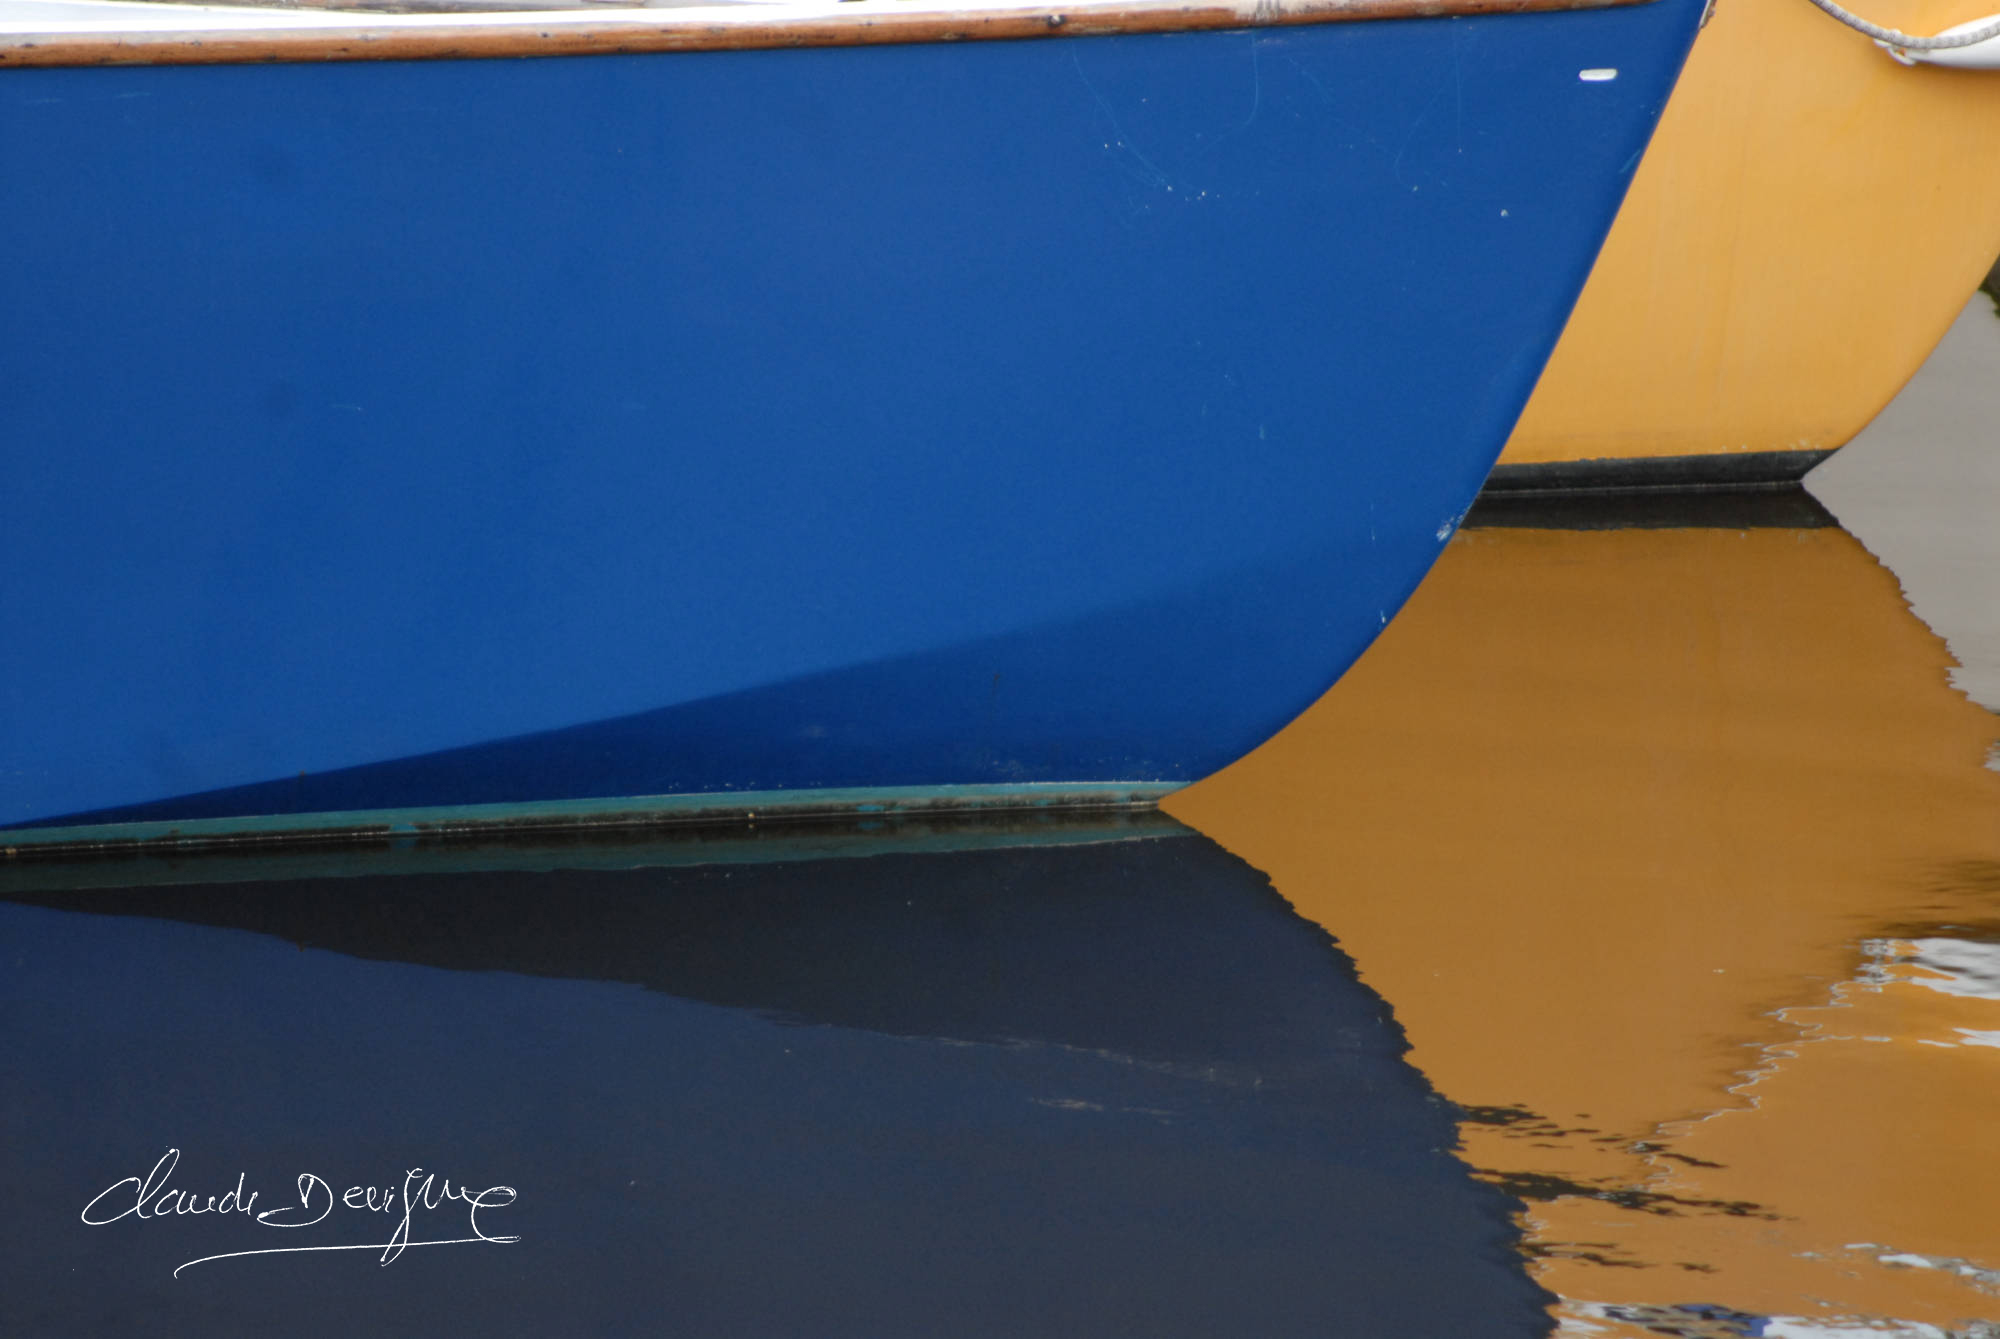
(1892, 38)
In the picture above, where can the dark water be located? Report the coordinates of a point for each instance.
(1111, 1086)
(1616, 951)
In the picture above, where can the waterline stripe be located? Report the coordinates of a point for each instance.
(551, 816)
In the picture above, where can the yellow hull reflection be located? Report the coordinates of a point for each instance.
(1626, 826)
(1809, 219)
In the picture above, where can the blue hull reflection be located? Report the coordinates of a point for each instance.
(411, 434)
(1100, 1089)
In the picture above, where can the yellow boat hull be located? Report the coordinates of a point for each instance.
(1809, 220)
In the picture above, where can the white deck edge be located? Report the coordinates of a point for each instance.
(38, 18)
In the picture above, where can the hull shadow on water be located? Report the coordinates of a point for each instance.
(1109, 1087)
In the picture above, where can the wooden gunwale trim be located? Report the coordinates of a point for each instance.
(714, 30)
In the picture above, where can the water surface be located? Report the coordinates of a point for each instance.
(1103, 1085)
(1672, 850)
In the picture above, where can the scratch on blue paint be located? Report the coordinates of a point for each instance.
(1458, 89)
(1403, 149)
(58, 102)
(1325, 93)
(1119, 140)
(1257, 41)
(1256, 86)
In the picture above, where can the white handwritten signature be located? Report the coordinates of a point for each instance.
(153, 1197)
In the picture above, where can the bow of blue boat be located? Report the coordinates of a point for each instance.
(736, 405)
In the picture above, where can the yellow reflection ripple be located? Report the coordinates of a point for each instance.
(1675, 855)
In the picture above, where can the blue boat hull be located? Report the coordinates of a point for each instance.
(387, 435)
